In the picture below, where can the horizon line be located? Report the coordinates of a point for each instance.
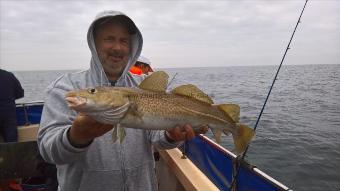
(77, 69)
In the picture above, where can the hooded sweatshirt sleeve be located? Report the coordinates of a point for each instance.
(56, 120)
(159, 140)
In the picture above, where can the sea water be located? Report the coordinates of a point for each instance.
(298, 137)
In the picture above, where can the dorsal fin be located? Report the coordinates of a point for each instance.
(157, 81)
(193, 92)
(232, 110)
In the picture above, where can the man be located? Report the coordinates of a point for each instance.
(10, 91)
(142, 66)
(81, 147)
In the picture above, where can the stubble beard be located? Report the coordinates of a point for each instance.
(113, 70)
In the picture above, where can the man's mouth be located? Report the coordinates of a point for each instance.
(116, 58)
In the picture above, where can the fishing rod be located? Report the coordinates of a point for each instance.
(173, 78)
(270, 90)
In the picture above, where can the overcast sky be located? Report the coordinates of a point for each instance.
(51, 35)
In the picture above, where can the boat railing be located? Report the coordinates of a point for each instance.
(29, 103)
(29, 112)
(229, 166)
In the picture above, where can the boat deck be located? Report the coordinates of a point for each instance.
(28, 133)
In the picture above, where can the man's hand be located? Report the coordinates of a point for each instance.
(182, 133)
(84, 129)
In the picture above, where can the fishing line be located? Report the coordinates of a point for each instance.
(270, 90)
(173, 78)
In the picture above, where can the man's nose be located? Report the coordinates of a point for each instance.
(116, 46)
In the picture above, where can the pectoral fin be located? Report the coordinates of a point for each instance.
(118, 132)
(114, 134)
(121, 133)
(135, 112)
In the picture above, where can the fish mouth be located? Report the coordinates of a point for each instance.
(75, 102)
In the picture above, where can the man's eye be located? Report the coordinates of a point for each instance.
(92, 91)
(109, 39)
(125, 41)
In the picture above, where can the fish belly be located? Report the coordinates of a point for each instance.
(152, 122)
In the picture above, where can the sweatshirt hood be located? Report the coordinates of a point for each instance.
(136, 45)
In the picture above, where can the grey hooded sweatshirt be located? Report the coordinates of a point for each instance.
(103, 165)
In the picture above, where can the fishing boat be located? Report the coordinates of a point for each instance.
(200, 164)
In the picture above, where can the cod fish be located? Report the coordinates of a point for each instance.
(150, 107)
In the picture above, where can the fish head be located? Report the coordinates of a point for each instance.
(95, 99)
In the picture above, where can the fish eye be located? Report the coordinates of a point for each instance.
(92, 91)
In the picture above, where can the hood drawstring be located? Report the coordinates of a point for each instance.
(101, 77)
(110, 83)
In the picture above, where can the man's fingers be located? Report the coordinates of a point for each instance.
(180, 133)
(186, 132)
(81, 114)
(189, 132)
(89, 127)
(175, 133)
(107, 127)
(201, 130)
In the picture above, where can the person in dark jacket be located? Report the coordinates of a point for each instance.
(10, 91)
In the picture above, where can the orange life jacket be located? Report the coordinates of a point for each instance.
(136, 70)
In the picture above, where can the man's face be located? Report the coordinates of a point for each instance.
(113, 47)
(144, 69)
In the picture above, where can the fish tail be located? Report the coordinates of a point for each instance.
(242, 137)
